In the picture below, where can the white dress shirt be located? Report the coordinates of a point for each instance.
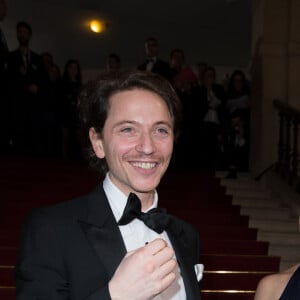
(136, 234)
(150, 63)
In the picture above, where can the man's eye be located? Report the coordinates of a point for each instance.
(162, 130)
(127, 129)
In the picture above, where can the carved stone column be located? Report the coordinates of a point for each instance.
(270, 68)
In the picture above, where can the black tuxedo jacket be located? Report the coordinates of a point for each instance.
(160, 67)
(72, 249)
(3, 56)
(15, 62)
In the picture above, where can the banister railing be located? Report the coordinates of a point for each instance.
(287, 164)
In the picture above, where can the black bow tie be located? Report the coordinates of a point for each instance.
(155, 218)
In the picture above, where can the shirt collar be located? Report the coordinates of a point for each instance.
(117, 199)
(153, 59)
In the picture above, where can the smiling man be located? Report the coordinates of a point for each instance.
(115, 243)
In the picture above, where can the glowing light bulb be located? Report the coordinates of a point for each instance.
(97, 26)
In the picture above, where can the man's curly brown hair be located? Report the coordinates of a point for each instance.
(94, 104)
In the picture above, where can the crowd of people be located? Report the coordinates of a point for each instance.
(39, 116)
(40, 101)
(40, 106)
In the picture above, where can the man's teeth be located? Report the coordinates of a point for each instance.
(144, 165)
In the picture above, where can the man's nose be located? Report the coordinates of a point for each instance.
(146, 144)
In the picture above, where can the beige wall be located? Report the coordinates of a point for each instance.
(294, 55)
(275, 71)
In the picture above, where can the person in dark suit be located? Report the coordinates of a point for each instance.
(100, 245)
(211, 96)
(152, 62)
(24, 75)
(4, 101)
(3, 44)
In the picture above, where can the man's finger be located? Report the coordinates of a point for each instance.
(155, 246)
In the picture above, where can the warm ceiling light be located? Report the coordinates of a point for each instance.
(97, 26)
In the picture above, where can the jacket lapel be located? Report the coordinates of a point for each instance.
(103, 234)
(180, 246)
(102, 231)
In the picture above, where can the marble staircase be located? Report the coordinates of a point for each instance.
(270, 212)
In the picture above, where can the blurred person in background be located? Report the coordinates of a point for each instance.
(71, 84)
(153, 62)
(4, 101)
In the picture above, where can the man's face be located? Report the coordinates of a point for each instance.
(209, 78)
(23, 35)
(238, 82)
(73, 71)
(112, 64)
(201, 69)
(177, 60)
(151, 48)
(137, 140)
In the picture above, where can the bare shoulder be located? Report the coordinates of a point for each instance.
(271, 286)
(291, 270)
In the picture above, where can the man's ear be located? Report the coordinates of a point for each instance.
(97, 143)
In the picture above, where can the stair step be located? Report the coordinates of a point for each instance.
(254, 202)
(287, 252)
(206, 218)
(206, 208)
(191, 198)
(222, 246)
(7, 292)
(32, 198)
(240, 183)
(288, 226)
(230, 280)
(7, 275)
(227, 295)
(291, 239)
(9, 239)
(240, 175)
(213, 262)
(8, 256)
(217, 219)
(270, 214)
(253, 193)
(228, 232)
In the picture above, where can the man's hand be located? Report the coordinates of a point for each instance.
(144, 272)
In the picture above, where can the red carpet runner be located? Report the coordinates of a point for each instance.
(234, 261)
